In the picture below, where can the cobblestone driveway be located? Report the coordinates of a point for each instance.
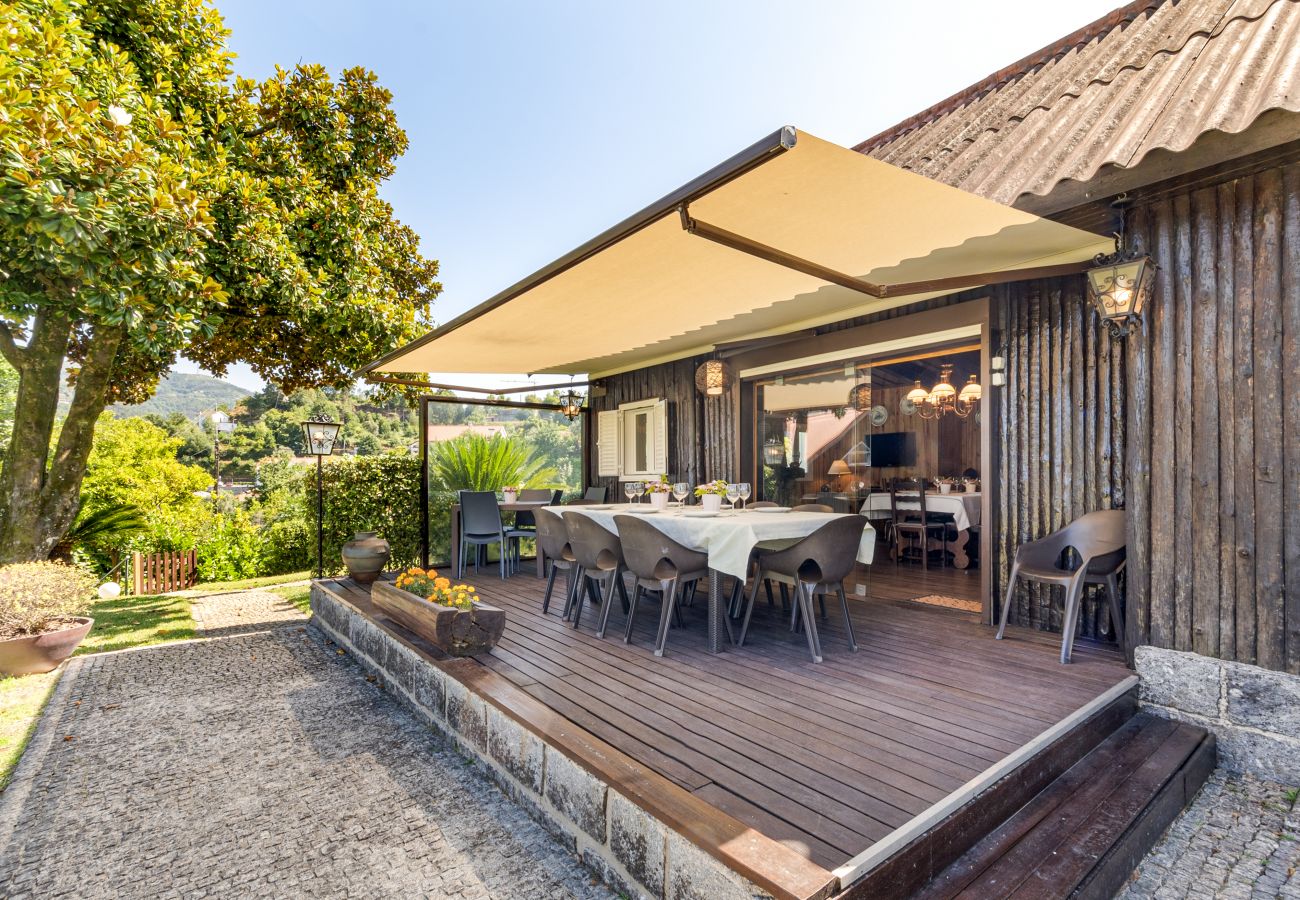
(258, 763)
(1239, 840)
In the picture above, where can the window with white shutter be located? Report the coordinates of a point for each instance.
(632, 441)
(607, 443)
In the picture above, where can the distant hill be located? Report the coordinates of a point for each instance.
(189, 394)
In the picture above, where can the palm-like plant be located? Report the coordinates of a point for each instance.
(107, 524)
(473, 462)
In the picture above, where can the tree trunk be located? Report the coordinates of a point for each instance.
(38, 496)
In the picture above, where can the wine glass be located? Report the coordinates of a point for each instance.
(745, 491)
(733, 494)
(680, 490)
(631, 489)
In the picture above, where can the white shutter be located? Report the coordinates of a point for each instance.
(659, 416)
(607, 449)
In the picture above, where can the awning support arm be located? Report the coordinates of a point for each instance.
(879, 291)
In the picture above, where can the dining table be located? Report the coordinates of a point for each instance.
(727, 537)
(964, 506)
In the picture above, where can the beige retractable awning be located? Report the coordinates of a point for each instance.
(758, 246)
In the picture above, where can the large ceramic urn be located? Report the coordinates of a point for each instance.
(365, 556)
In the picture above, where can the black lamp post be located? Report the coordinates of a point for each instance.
(319, 438)
(220, 422)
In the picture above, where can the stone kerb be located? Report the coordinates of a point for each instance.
(1254, 712)
(631, 850)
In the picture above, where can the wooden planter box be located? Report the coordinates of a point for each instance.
(457, 632)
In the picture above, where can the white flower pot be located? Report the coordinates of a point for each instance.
(945, 487)
(509, 496)
(659, 501)
(711, 502)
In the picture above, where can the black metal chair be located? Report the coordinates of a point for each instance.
(480, 527)
(599, 556)
(818, 565)
(914, 523)
(553, 543)
(1099, 547)
(660, 565)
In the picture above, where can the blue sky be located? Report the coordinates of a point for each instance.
(535, 126)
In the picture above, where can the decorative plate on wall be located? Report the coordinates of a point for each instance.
(906, 407)
(879, 416)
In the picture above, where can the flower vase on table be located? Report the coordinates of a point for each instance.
(659, 492)
(711, 494)
(711, 502)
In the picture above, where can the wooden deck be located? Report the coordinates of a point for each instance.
(827, 759)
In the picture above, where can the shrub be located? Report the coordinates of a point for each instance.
(473, 462)
(35, 596)
(368, 493)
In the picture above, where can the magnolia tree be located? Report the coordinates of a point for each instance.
(153, 205)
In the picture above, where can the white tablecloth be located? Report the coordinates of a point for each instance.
(728, 539)
(964, 508)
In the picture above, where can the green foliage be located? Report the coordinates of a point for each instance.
(34, 595)
(369, 493)
(186, 393)
(133, 463)
(476, 463)
(104, 528)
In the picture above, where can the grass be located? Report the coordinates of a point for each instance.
(298, 595)
(216, 587)
(126, 622)
(21, 702)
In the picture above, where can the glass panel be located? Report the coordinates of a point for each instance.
(642, 442)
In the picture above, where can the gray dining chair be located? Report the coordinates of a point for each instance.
(817, 565)
(595, 494)
(814, 507)
(525, 522)
(553, 543)
(762, 504)
(599, 556)
(480, 527)
(1095, 545)
(660, 565)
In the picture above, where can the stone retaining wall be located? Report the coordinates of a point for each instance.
(1254, 712)
(628, 848)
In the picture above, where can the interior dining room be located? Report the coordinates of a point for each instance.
(872, 436)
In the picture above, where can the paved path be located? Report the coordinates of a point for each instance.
(1239, 840)
(257, 763)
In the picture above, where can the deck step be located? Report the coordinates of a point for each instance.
(1084, 833)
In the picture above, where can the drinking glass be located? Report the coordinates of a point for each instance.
(733, 494)
(631, 489)
(680, 490)
(745, 491)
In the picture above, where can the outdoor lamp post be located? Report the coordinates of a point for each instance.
(220, 422)
(319, 438)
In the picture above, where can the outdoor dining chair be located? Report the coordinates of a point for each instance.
(660, 565)
(762, 504)
(595, 494)
(481, 527)
(1098, 555)
(599, 556)
(553, 543)
(817, 565)
(814, 507)
(524, 519)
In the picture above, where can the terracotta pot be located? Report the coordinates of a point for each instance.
(457, 632)
(36, 653)
(365, 556)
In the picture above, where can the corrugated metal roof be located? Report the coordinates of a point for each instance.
(1151, 75)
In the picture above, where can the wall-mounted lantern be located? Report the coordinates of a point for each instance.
(714, 377)
(1120, 282)
(571, 404)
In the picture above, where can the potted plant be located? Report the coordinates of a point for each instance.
(659, 492)
(711, 494)
(509, 494)
(945, 484)
(42, 615)
(449, 616)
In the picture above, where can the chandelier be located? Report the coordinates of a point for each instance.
(943, 398)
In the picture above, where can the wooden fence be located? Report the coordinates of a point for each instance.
(158, 573)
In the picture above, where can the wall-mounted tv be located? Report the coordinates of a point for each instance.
(893, 450)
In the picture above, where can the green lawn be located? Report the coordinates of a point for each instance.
(299, 596)
(137, 622)
(21, 702)
(216, 587)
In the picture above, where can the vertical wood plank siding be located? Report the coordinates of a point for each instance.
(1191, 424)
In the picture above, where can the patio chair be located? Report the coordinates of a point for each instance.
(524, 520)
(481, 526)
(599, 556)
(595, 494)
(814, 507)
(817, 565)
(919, 524)
(553, 542)
(660, 565)
(1097, 540)
(761, 504)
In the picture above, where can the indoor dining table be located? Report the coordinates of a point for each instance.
(728, 538)
(964, 507)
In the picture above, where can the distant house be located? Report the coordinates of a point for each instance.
(451, 432)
